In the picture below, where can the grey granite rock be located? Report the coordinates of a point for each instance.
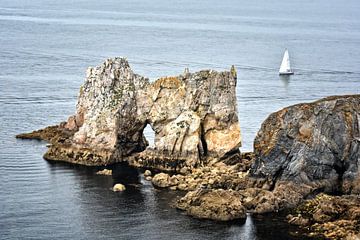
(313, 143)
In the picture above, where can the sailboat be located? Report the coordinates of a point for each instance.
(285, 68)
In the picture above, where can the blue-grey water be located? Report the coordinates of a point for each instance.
(46, 46)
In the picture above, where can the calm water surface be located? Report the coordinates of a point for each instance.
(45, 47)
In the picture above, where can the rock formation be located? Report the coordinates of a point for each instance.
(194, 116)
(316, 144)
(299, 151)
(107, 124)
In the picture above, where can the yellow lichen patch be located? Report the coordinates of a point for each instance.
(224, 140)
(349, 121)
(167, 82)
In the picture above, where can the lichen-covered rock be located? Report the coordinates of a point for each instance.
(219, 204)
(316, 143)
(194, 116)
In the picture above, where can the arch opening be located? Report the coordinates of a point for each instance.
(149, 135)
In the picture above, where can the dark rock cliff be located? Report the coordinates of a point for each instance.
(312, 143)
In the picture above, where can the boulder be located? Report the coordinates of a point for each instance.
(219, 204)
(314, 143)
(161, 180)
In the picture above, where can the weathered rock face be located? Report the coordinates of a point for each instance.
(194, 116)
(316, 144)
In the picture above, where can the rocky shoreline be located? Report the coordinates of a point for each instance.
(301, 153)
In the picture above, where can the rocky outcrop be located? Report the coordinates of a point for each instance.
(330, 217)
(316, 144)
(219, 205)
(51, 134)
(251, 199)
(225, 174)
(194, 116)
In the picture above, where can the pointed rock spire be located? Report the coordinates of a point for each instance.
(233, 71)
(186, 71)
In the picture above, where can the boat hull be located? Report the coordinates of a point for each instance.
(286, 73)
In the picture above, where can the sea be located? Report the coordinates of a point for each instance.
(46, 47)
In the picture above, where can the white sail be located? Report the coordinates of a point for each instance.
(285, 64)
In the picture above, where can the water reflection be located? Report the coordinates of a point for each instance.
(285, 80)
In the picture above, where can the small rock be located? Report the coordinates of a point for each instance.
(297, 220)
(174, 180)
(182, 187)
(107, 172)
(147, 173)
(184, 170)
(119, 187)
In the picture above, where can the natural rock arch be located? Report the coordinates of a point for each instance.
(193, 115)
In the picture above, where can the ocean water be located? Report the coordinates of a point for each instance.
(46, 46)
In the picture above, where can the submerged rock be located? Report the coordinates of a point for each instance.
(219, 204)
(312, 143)
(107, 172)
